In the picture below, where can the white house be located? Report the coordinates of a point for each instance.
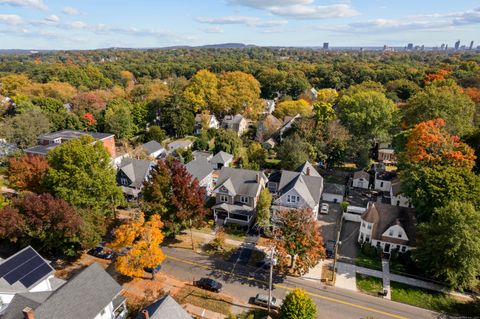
(211, 122)
(154, 149)
(237, 123)
(333, 192)
(184, 144)
(383, 181)
(361, 179)
(387, 227)
(221, 159)
(397, 197)
(202, 170)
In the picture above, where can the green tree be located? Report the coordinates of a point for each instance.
(297, 305)
(256, 154)
(158, 191)
(449, 245)
(201, 90)
(294, 151)
(263, 209)
(155, 133)
(297, 83)
(324, 112)
(119, 120)
(80, 172)
(24, 129)
(273, 82)
(367, 114)
(447, 101)
(228, 141)
(401, 90)
(433, 187)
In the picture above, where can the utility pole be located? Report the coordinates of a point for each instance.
(272, 252)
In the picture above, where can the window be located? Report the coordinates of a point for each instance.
(398, 247)
(244, 199)
(293, 199)
(378, 244)
(367, 239)
(369, 226)
(124, 181)
(390, 233)
(399, 235)
(404, 249)
(223, 198)
(398, 203)
(381, 184)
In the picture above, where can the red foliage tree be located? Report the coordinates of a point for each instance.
(297, 240)
(89, 120)
(439, 76)
(430, 144)
(42, 220)
(27, 173)
(85, 102)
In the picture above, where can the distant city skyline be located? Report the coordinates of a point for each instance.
(91, 24)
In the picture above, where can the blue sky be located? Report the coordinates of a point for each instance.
(89, 24)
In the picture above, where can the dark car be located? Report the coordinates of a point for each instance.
(102, 252)
(153, 270)
(209, 284)
(330, 248)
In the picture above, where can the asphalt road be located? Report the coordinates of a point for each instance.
(243, 282)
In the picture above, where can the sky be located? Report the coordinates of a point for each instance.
(92, 24)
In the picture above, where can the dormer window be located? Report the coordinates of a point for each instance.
(399, 235)
(224, 189)
(124, 181)
(244, 199)
(293, 199)
(390, 233)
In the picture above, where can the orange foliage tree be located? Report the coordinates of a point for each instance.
(439, 76)
(27, 173)
(430, 144)
(297, 240)
(142, 239)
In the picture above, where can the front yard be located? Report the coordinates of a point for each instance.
(201, 298)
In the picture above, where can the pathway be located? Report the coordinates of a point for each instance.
(346, 276)
(386, 278)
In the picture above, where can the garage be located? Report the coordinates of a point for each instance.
(333, 193)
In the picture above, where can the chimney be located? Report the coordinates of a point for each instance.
(145, 314)
(308, 171)
(257, 178)
(28, 313)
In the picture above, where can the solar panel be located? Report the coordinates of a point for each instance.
(24, 269)
(16, 260)
(36, 275)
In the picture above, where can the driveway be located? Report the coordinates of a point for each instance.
(349, 248)
(329, 221)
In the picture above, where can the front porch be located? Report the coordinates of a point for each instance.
(236, 214)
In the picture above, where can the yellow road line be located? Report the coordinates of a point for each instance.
(289, 288)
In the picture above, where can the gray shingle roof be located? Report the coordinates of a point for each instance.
(72, 134)
(221, 158)
(199, 168)
(308, 186)
(308, 169)
(82, 297)
(152, 147)
(136, 170)
(240, 181)
(165, 308)
(361, 174)
(331, 188)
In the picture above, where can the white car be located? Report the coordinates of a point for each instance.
(324, 208)
(262, 300)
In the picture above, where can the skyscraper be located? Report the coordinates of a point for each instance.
(471, 45)
(410, 47)
(457, 45)
(325, 45)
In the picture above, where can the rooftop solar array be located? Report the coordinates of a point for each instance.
(26, 267)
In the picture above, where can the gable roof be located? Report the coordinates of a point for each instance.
(199, 168)
(136, 170)
(179, 143)
(198, 154)
(233, 119)
(361, 174)
(221, 158)
(308, 169)
(332, 188)
(240, 181)
(386, 176)
(383, 216)
(23, 271)
(152, 147)
(82, 297)
(165, 308)
(307, 186)
(396, 186)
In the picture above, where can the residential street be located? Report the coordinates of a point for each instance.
(243, 282)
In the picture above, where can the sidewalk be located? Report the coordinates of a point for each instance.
(386, 278)
(199, 312)
(346, 276)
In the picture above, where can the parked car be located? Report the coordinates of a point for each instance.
(324, 208)
(262, 300)
(208, 284)
(153, 270)
(102, 252)
(330, 248)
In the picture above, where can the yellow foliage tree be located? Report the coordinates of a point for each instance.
(292, 108)
(201, 90)
(327, 95)
(143, 239)
(12, 83)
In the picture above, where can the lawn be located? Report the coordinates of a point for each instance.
(363, 260)
(184, 241)
(204, 299)
(369, 285)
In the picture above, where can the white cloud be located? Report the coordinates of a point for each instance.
(76, 25)
(52, 18)
(248, 21)
(11, 19)
(26, 3)
(265, 4)
(70, 11)
(213, 30)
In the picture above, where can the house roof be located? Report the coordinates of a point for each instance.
(240, 181)
(361, 174)
(72, 134)
(308, 169)
(199, 168)
(235, 209)
(396, 186)
(82, 297)
(331, 188)
(23, 271)
(233, 119)
(179, 143)
(152, 147)
(197, 154)
(198, 117)
(136, 170)
(221, 158)
(165, 308)
(386, 176)
(383, 216)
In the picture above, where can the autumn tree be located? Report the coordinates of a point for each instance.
(85, 102)
(10, 84)
(297, 240)
(429, 144)
(42, 221)
(24, 129)
(27, 173)
(80, 172)
(297, 305)
(263, 209)
(292, 108)
(449, 245)
(201, 91)
(143, 238)
(324, 112)
(327, 96)
(446, 101)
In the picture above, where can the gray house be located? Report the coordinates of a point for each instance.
(154, 149)
(202, 170)
(164, 308)
(221, 159)
(131, 175)
(92, 294)
(236, 195)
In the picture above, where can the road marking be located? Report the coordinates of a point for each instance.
(289, 288)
